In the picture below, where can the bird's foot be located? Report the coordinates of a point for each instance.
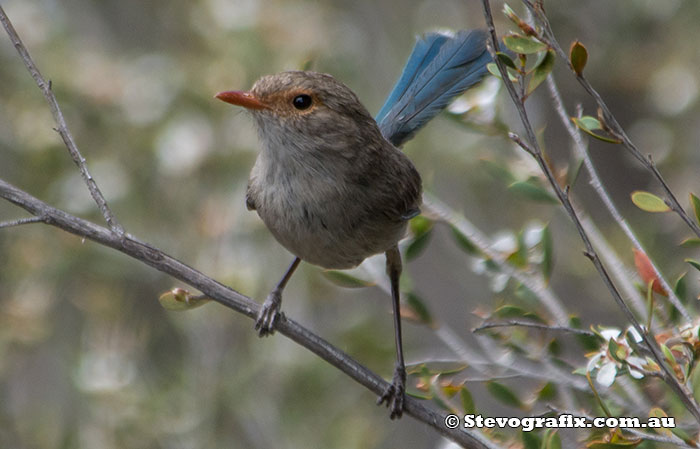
(394, 395)
(269, 314)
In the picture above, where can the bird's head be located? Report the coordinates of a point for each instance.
(305, 110)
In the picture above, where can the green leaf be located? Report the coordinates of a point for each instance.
(523, 45)
(589, 125)
(505, 59)
(668, 354)
(681, 288)
(578, 56)
(541, 71)
(649, 202)
(519, 257)
(695, 201)
(467, 401)
(548, 392)
(552, 440)
(344, 279)
(419, 308)
(530, 440)
(179, 299)
(547, 253)
(417, 245)
(694, 263)
(532, 190)
(692, 242)
(504, 394)
(464, 242)
(493, 70)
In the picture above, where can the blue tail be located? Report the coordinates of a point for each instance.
(440, 67)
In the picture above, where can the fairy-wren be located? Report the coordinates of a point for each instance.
(334, 190)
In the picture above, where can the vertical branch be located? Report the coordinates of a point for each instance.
(535, 151)
(62, 128)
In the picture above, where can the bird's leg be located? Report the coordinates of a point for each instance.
(395, 393)
(270, 310)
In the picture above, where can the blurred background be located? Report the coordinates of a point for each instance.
(88, 358)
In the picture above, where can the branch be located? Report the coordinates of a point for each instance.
(533, 148)
(62, 128)
(234, 300)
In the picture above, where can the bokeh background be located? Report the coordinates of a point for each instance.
(88, 358)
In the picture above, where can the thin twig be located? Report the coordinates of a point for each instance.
(512, 323)
(62, 128)
(533, 148)
(582, 152)
(238, 302)
(20, 221)
(610, 121)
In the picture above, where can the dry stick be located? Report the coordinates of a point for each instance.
(534, 150)
(61, 123)
(236, 301)
(597, 185)
(610, 121)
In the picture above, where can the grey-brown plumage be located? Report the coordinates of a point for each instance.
(328, 185)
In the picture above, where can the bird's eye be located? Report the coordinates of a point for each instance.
(302, 102)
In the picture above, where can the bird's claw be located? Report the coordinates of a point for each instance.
(395, 393)
(269, 314)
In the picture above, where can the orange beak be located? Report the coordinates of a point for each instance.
(240, 98)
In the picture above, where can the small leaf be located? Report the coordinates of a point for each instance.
(504, 394)
(505, 59)
(646, 271)
(493, 70)
(419, 308)
(579, 56)
(649, 202)
(523, 45)
(589, 125)
(681, 288)
(694, 263)
(179, 299)
(548, 392)
(552, 440)
(541, 71)
(668, 354)
(695, 201)
(464, 241)
(421, 228)
(547, 253)
(344, 279)
(467, 401)
(691, 242)
(532, 190)
(530, 440)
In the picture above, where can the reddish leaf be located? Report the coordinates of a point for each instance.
(646, 272)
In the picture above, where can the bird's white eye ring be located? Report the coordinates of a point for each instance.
(302, 101)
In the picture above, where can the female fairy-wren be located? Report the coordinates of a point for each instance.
(330, 186)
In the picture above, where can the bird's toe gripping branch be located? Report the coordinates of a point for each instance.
(394, 394)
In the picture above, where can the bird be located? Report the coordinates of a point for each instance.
(331, 183)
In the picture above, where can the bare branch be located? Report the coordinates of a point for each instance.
(238, 302)
(62, 128)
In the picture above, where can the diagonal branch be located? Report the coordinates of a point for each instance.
(236, 301)
(62, 128)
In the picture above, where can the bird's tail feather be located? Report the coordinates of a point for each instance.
(440, 67)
